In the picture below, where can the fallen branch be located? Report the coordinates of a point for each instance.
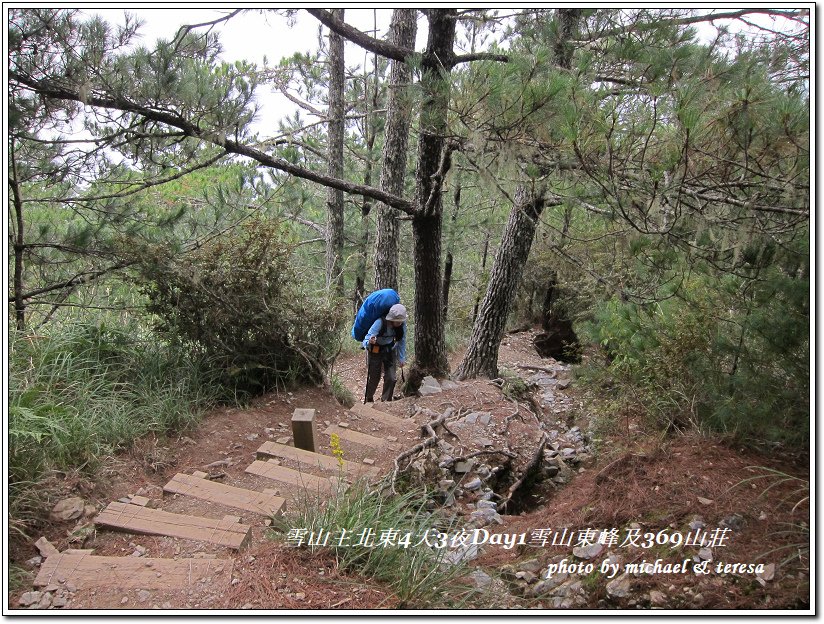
(432, 440)
(515, 414)
(529, 470)
(505, 452)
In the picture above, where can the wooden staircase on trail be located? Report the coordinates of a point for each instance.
(294, 473)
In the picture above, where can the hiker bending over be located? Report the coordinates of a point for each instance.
(385, 343)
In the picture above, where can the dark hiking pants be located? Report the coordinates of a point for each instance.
(383, 361)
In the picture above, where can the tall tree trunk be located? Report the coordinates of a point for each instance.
(17, 202)
(366, 206)
(334, 197)
(481, 358)
(433, 163)
(447, 267)
(480, 283)
(404, 29)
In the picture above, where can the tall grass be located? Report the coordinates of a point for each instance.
(85, 390)
(419, 576)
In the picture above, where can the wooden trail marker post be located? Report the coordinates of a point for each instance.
(303, 429)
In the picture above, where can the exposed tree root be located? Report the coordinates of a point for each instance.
(529, 470)
(426, 429)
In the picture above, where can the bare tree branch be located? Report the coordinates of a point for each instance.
(175, 120)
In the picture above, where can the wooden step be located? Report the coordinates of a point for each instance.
(311, 483)
(356, 437)
(136, 519)
(262, 503)
(92, 571)
(310, 461)
(405, 424)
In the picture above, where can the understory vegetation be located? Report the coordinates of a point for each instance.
(613, 172)
(419, 576)
(81, 391)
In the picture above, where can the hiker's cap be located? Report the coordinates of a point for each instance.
(396, 313)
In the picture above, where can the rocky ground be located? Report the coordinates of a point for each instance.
(556, 509)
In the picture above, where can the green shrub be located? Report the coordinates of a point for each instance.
(238, 302)
(727, 355)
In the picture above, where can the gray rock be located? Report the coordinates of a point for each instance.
(45, 601)
(588, 552)
(483, 517)
(526, 575)
(486, 504)
(429, 386)
(445, 484)
(466, 552)
(769, 572)
(485, 417)
(697, 523)
(473, 484)
(60, 601)
(30, 598)
(735, 522)
(446, 461)
(470, 419)
(68, 509)
(488, 495)
(547, 585)
(657, 599)
(705, 554)
(569, 588)
(463, 466)
(448, 384)
(531, 565)
(35, 561)
(284, 440)
(481, 579)
(620, 587)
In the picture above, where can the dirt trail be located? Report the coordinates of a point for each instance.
(633, 481)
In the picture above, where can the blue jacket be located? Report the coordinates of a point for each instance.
(386, 336)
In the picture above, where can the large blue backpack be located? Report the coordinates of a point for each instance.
(375, 306)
